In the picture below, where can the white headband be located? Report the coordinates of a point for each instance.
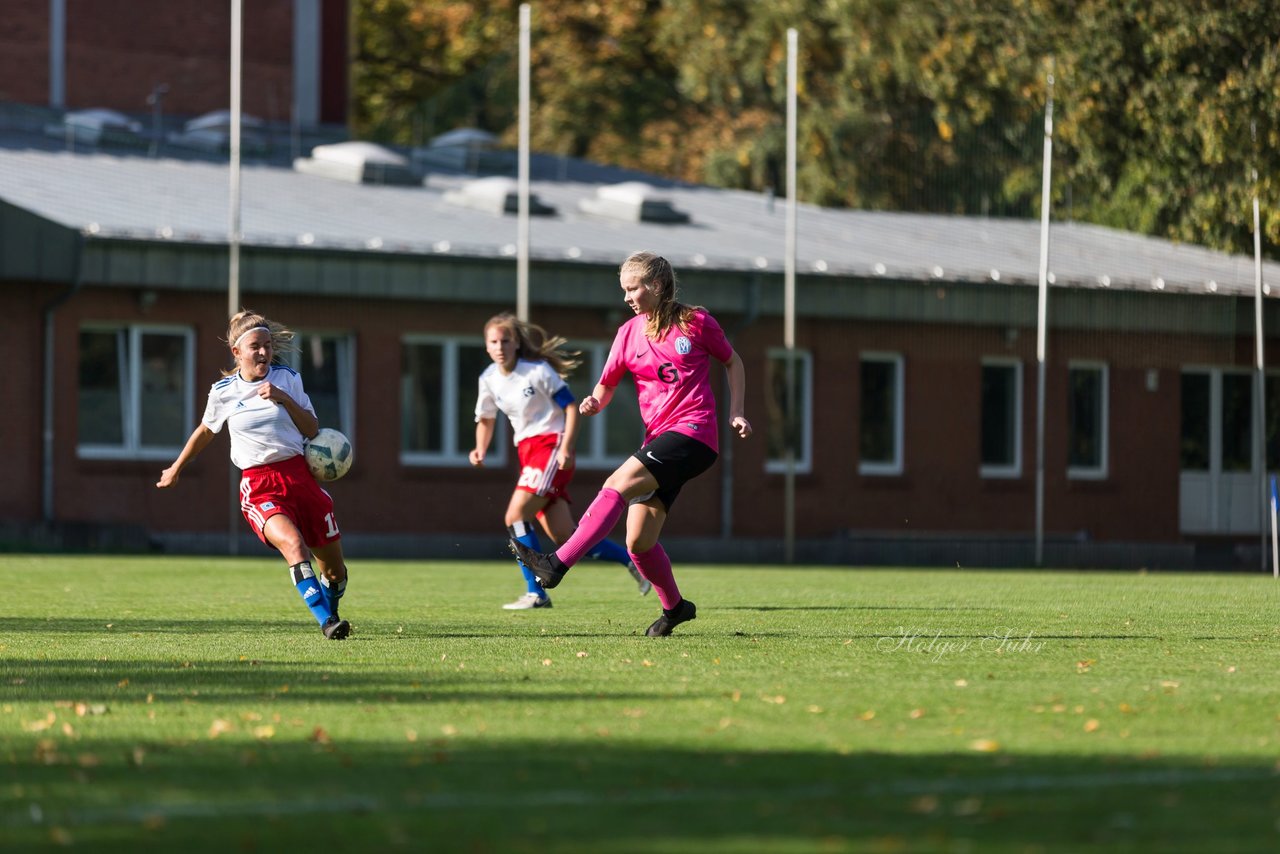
(236, 343)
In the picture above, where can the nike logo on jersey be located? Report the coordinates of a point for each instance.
(650, 455)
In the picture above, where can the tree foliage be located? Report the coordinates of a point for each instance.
(1164, 109)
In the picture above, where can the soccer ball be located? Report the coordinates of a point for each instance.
(328, 454)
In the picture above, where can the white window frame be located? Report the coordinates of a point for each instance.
(459, 397)
(895, 466)
(803, 464)
(346, 375)
(1099, 472)
(1004, 472)
(131, 393)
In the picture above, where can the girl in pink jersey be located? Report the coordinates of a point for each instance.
(268, 415)
(526, 382)
(668, 348)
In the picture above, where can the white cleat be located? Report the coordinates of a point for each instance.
(527, 601)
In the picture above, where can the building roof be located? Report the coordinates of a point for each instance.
(126, 195)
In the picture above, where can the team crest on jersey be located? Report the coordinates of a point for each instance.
(683, 346)
(528, 391)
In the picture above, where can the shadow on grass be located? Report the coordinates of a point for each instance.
(601, 796)
(158, 682)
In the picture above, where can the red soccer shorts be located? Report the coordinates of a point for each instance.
(539, 471)
(288, 487)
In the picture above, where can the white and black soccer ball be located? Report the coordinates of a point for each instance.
(328, 454)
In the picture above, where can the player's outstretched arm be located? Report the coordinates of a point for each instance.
(484, 435)
(199, 439)
(597, 400)
(737, 387)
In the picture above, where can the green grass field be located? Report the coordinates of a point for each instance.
(192, 704)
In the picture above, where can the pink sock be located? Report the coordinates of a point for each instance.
(594, 526)
(656, 566)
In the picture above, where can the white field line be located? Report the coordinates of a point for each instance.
(1011, 783)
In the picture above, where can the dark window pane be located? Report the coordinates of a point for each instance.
(1084, 414)
(785, 429)
(1237, 422)
(318, 362)
(1195, 422)
(624, 431)
(164, 368)
(582, 380)
(878, 412)
(100, 418)
(999, 415)
(422, 398)
(1273, 423)
(472, 360)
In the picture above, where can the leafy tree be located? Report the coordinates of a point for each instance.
(1163, 108)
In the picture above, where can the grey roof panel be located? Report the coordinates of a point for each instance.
(132, 196)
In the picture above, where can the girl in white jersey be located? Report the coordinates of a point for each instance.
(268, 415)
(526, 383)
(668, 348)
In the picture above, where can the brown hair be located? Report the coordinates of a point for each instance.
(656, 271)
(247, 319)
(532, 343)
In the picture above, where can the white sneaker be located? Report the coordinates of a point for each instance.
(641, 581)
(527, 601)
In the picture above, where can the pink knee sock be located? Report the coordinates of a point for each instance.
(656, 566)
(594, 526)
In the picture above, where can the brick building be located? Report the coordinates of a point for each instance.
(77, 54)
(916, 363)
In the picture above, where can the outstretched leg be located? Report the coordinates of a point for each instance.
(559, 525)
(280, 532)
(644, 524)
(522, 509)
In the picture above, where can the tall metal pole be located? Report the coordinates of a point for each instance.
(233, 236)
(1042, 315)
(522, 177)
(1260, 376)
(57, 53)
(789, 306)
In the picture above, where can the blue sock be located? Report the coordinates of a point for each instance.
(523, 532)
(304, 578)
(609, 550)
(333, 593)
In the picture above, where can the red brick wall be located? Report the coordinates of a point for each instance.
(940, 491)
(22, 350)
(117, 51)
(24, 51)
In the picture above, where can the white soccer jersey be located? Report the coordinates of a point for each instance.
(261, 430)
(527, 396)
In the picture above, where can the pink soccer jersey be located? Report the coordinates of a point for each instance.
(672, 375)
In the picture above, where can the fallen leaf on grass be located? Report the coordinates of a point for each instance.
(925, 804)
(1092, 725)
(985, 745)
(40, 725)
